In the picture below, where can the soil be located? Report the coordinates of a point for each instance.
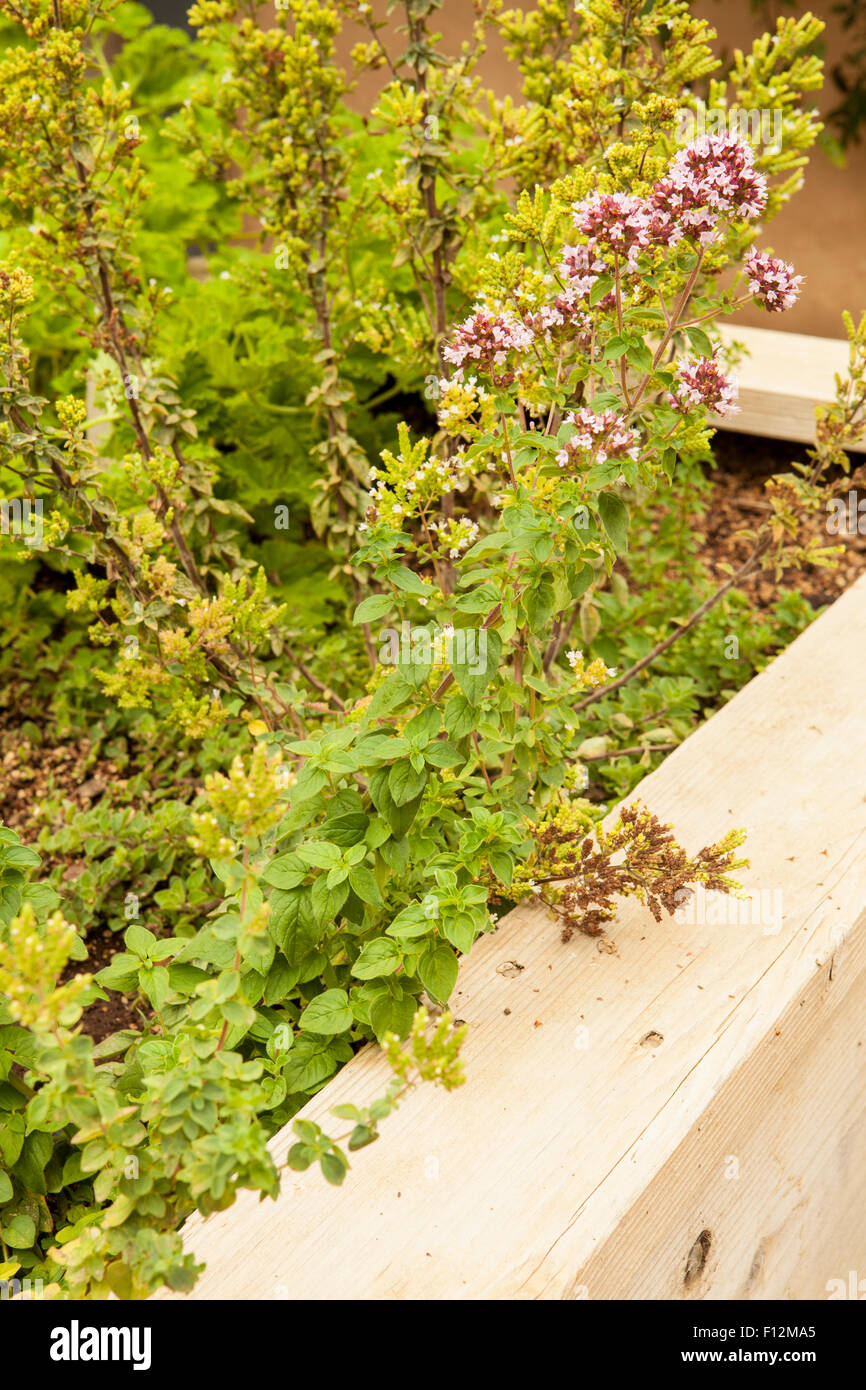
(29, 774)
(32, 772)
(105, 1016)
(738, 501)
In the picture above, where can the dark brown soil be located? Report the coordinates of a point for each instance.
(32, 772)
(739, 502)
(116, 1012)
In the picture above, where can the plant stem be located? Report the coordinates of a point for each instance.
(745, 569)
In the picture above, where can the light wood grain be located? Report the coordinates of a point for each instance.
(783, 377)
(568, 1170)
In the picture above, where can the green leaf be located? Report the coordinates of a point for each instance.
(580, 582)
(379, 957)
(395, 691)
(459, 928)
(214, 944)
(381, 748)
(390, 1015)
(319, 854)
(36, 1154)
(347, 830)
(614, 517)
(492, 541)
(139, 940)
(155, 983)
(443, 754)
(300, 1156)
(20, 1232)
(239, 1015)
(460, 716)
(328, 1013)
(376, 606)
(540, 604)
(121, 974)
(479, 600)
(292, 923)
(399, 818)
(286, 871)
(603, 286)
(410, 922)
(281, 979)
(327, 900)
(700, 341)
(474, 675)
(364, 884)
(333, 1167)
(404, 783)
(423, 726)
(361, 1136)
(311, 1061)
(409, 582)
(503, 867)
(6, 1189)
(640, 357)
(10, 901)
(20, 857)
(344, 1112)
(437, 970)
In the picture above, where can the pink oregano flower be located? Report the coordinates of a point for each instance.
(714, 174)
(603, 436)
(701, 381)
(486, 339)
(566, 311)
(582, 267)
(772, 281)
(620, 220)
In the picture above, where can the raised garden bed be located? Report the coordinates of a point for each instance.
(678, 1111)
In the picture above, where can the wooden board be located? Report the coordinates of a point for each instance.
(781, 381)
(682, 1118)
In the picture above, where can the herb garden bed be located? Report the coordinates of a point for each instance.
(362, 546)
(664, 1114)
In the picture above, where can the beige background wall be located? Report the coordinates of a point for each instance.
(823, 229)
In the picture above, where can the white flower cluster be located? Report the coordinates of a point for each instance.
(395, 498)
(458, 397)
(595, 674)
(457, 536)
